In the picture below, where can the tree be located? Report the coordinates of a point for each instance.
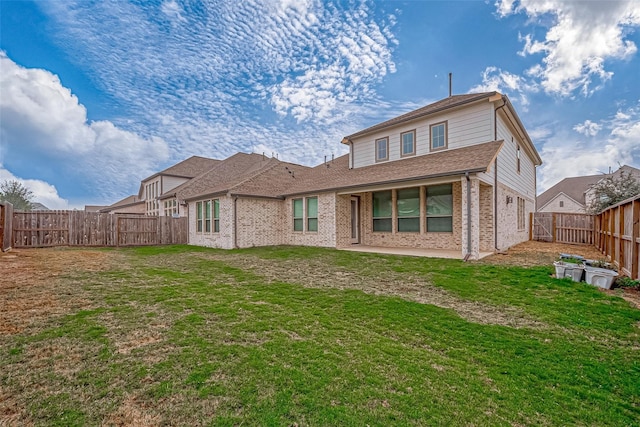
(611, 190)
(17, 194)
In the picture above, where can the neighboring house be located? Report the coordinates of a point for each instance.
(458, 174)
(94, 208)
(573, 195)
(129, 205)
(37, 206)
(156, 185)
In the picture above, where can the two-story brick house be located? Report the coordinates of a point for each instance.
(458, 174)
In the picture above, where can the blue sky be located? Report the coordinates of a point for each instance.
(95, 96)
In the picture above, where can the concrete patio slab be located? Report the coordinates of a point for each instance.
(428, 253)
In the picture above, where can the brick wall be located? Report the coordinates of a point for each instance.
(343, 220)
(326, 234)
(508, 233)
(222, 239)
(260, 222)
(486, 218)
(423, 239)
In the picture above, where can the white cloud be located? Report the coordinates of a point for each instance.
(588, 128)
(564, 155)
(173, 11)
(44, 122)
(312, 62)
(581, 38)
(43, 192)
(495, 79)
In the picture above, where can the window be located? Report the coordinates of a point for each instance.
(382, 149)
(440, 208)
(312, 214)
(562, 203)
(520, 213)
(297, 215)
(408, 204)
(216, 216)
(518, 158)
(207, 216)
(170, 207)
(382, 210)
(407, 143)
(439, 136)
(199, 217)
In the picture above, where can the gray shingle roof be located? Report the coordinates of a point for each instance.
(576, 187)
(250, 174)
(338, 176)
(188, 168)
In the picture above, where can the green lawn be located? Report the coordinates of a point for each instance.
(305, 336)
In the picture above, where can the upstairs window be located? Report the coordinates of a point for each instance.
(408, 143)
(408, 204)
(298, 220)
(440, 208)
(312, 214)
(438, 136)
(382, 149)
(382, 211)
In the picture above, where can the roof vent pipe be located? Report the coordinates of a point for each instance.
(450, 79)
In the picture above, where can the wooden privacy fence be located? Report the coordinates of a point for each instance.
(617, 231)
(558, 227)
(6, 217)
(78, 228)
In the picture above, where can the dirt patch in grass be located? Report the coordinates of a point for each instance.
(317, 273)
(133, 412)
(31, 289)
(533, 253)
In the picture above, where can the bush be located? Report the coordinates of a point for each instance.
(627, 283)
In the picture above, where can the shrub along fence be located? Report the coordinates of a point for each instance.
(37, 229)
(617, 232)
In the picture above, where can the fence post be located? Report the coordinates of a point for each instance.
(621, 230)
(635, 233)
(553, 227)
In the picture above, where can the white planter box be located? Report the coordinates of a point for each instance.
(576, 273)
(600, 277)
(568, 269)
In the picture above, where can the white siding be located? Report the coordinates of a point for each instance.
(568, 205)
(466, 126)
(523, 182)
(171, 182)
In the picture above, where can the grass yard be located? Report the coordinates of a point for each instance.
(297, 336)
